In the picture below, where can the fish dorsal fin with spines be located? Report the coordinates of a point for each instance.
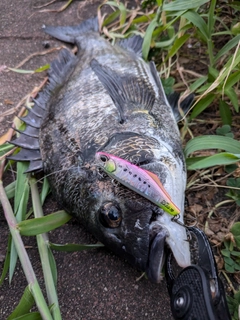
(60, 70)
(127, 91)
(132, 44)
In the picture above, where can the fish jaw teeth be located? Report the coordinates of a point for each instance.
(176, 240)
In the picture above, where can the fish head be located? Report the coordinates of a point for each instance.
(133, 227)
(120, 219)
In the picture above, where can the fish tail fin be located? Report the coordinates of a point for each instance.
(70, 33)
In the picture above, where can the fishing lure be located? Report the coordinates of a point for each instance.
(142, 181)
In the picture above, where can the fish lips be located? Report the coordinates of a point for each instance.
(156, 256)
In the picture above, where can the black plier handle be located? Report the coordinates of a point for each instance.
(197, 293)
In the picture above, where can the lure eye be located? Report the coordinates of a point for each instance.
(110, 215)
(104, 158)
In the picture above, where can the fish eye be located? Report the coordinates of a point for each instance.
(110, 215)
(104, 158)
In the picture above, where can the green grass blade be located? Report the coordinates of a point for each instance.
(235, 230)
(211, 17)
(196, 84)
(202, 105)
(71, 247)
(6, 261)
(183, 5)
(21, 70)
(20, 181)
(177, 15)
(232, 80)
(122, 10)
(111, 17)
(235, 5)
(10, 189)
(225, 112)
(212, 142)
(26, 264)
(219, 159)
(164, 44)
(45, 190)
(20, 216)
(123, 15)
(42, 241)
(212, 74)
(12, 261)
(33, 227)
(22, 208)
(179, 42)
(232, 95)
(227, 47)
(143, 19)
(4, 148)
(148, 38)
(24, 306)
(53, 266)
(30, 316)
(232, 62)
(198, 21)
(49, 279)
(43, 68)
(159, 2)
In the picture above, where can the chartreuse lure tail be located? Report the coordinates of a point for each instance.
(144, 182)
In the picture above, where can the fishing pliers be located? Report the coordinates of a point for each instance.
(196, 292)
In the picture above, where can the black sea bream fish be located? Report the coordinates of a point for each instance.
(107, 99)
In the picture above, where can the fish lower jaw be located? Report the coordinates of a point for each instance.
(156, 257)
(176, 240)
(163, 231)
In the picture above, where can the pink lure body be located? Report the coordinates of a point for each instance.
(143, 182)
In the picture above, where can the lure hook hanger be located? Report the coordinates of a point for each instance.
(176, 219)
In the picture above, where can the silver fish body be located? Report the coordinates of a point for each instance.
(107, 98)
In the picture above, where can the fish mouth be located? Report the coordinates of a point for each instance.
(156, 257)
(165, 232)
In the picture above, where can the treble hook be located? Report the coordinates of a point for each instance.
(176, 219)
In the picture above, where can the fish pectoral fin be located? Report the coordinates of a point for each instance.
(127, 91)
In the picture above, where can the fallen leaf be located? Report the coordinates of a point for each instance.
(219, 262)
(8, 102)
(196, 208)
(6, 136)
